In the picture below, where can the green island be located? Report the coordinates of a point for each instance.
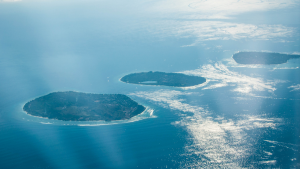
(262, 58)
(163, 79)
(76, 106)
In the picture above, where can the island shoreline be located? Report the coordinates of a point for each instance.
(122, 113)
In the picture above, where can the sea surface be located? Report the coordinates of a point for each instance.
(243, 116)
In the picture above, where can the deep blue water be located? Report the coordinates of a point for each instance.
(243, 117)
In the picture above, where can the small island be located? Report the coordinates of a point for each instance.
(262, 58)
(163, 79)
(76, 106)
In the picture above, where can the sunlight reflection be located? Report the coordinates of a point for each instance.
(222, 142)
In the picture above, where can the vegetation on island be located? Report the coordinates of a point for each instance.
(76, 106)
(262, 58)
(163, 79)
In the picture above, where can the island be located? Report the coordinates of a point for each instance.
(76, 106)
(163, 79)
(262, 58)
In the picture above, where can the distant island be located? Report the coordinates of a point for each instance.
(76, 106)
(262, 58)
(163, 79)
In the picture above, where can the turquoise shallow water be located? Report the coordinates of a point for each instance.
(244, 116)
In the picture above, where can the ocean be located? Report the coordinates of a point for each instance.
(243, 116)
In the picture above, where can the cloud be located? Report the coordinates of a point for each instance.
(295, 87)
(217, 9)
(219, 142)
(219, 30)
(219, 75)
(182, 20)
